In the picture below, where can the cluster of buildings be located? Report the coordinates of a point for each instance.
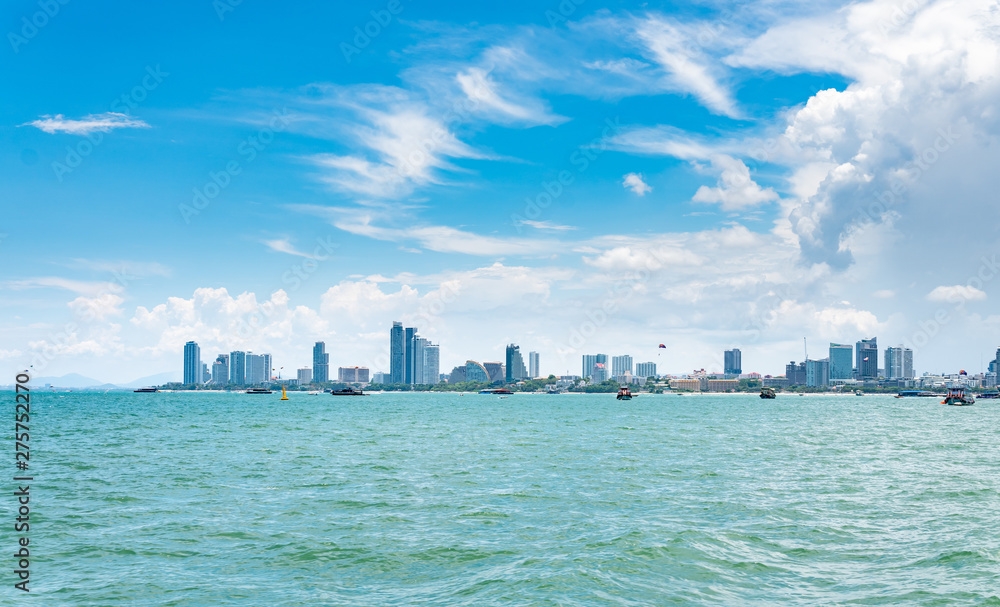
(237, 368)
(512, 369)
(847, 365)
(598, 368)
(414, 360)
(248, 369)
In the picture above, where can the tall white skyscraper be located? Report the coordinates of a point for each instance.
(431, 363)
(621, 364)
(417, 352)
(899, 363)
(255, 368)
(533, 370)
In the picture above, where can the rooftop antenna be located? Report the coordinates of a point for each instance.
(805, 347)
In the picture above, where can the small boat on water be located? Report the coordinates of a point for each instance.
(624, 393)
(858, 393)
(915, 393)
(258, 391)
(958, 397)
(349, 391)
(767, 392)
(496, 391)
(145, 390)
(990, 395)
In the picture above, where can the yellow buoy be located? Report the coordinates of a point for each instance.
(283, 395)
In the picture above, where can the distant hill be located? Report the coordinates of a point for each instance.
(154, 380)
(70, 380)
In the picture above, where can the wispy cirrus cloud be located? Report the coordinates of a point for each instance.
(485, 93)
(442, 239)
(685, 64)
(91, 123)
(397, 142)
(283, 245)
(123, 268)
(81, 287)
(544, 225)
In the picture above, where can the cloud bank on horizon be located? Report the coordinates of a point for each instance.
(738, 176)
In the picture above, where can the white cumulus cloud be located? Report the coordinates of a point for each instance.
(635, 182)
(736, 189)
(956, 294)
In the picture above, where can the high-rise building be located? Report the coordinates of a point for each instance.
(268, 367)
(192, 363)
(796, 373)
(733, 362)
(841, 361)
(220, 370)
(380, 377)
(420, 371)
(432, 364)
(590, 360)
(475, 372)
(305, 376)
(496, 370)
(818, 373)
(995, 365)
(600, 373)
(206, 375)
(867, 358)
(255, 369)
(515, 364)
(321, 363)
(620, 365)
(645, 370)
(409, 338)
(397, 354)
(898, 363)
(238, 368)
(533, 367)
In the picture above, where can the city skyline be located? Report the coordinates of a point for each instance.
(464, 178)
(422, 357)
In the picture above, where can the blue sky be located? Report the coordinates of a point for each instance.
(732, 176)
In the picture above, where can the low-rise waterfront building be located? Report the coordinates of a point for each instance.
(722, 385)
(685, 384)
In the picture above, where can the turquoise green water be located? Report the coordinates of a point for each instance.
(446, 499)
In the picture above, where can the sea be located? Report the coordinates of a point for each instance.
(196, 498)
